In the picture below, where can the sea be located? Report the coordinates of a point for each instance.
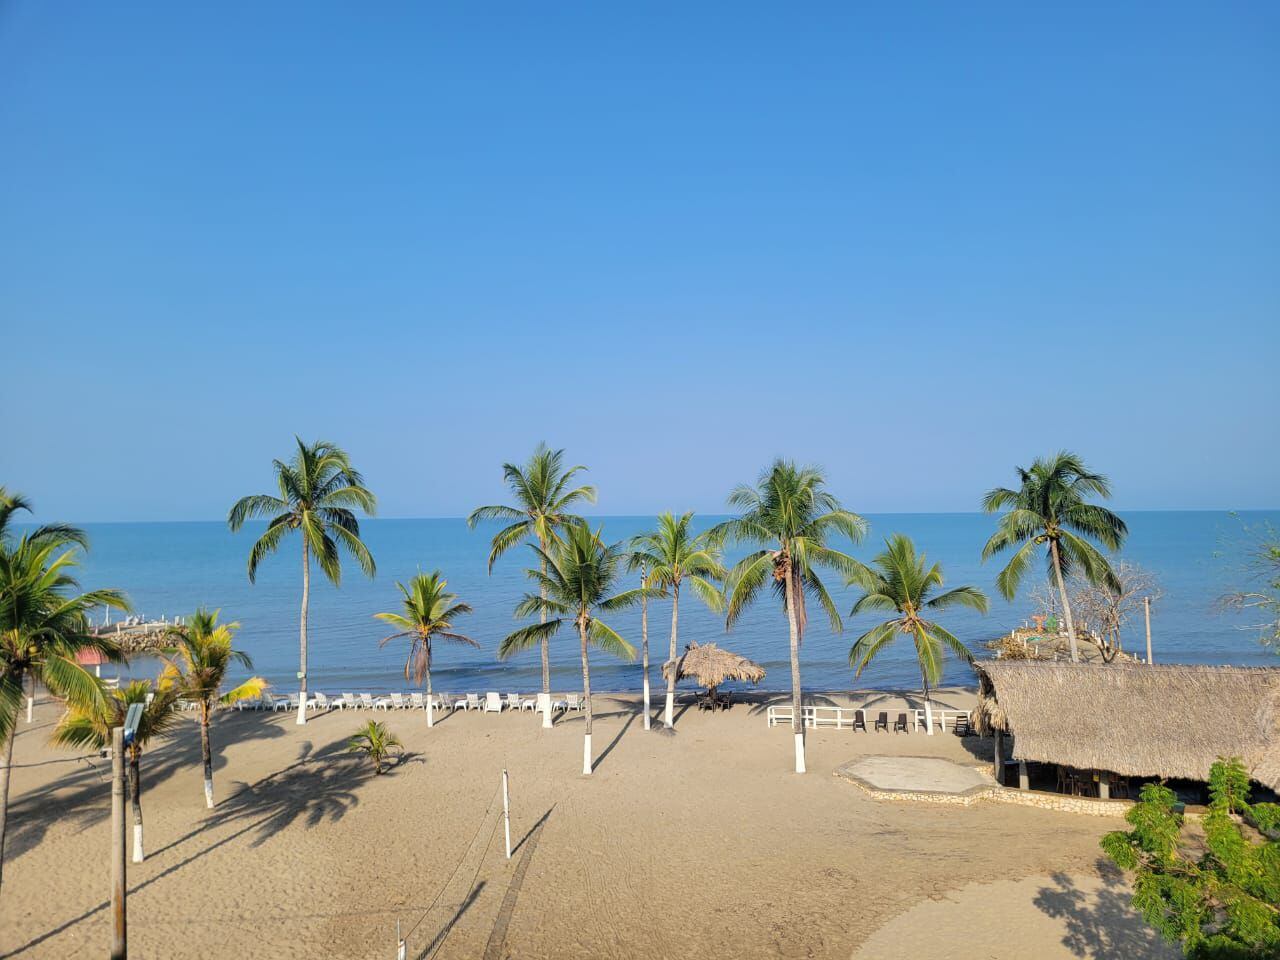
(168, 569)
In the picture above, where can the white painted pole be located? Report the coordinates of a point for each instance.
(402, 951)
(1146, 606)
(506, 813)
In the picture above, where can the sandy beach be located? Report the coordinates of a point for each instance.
(704, 841)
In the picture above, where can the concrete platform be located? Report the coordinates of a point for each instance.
(916, 775)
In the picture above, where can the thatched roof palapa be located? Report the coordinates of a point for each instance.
(1134, 719)
(712, 666)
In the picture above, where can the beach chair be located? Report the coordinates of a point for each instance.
(513, 701)
(530, 703)
(900, 724)
(882, 721)
(544, 703)
(349, 702)
(398, 702)
(417, 701)
(492, 702)
(471, 703)
(961, 726)
(573, 702)
(368, 703)
(860, 721)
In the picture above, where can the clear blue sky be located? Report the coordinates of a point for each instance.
(917, 244)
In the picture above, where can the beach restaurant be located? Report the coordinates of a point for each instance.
(1101, 725)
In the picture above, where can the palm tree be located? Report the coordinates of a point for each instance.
(632, 562)
(575, 580)
(429, 612)
(903, 585)
(792, 515)
(1049, 507)
(196, 668)
(376, 742)
(673, 554)
(318, 491)
(543, 498)
(84, 726)
(44, 623)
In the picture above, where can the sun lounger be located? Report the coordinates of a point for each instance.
(544, 703)
(513, 701)
(322, 702)
(417, 701)
(492, 702)
(368, 703)
(471, 703)
(529, 703)
(573, 702)
(349, 702)
(398, 702)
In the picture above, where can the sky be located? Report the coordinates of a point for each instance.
(916, 244)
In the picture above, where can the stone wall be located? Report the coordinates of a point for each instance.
(999, 794)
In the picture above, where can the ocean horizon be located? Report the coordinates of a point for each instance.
(169, 568)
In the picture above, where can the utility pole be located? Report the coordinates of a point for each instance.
(119, 923)
(1146, 606)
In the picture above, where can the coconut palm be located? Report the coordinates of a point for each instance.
(85, 726)
(1050, 508)
(632, 563)
(376, 742)
(319, 493)
(543, 499)
(901, 583)
(429, 612)
(792, 515)
(575, 579)
(673, 554)
(196, 668)
(44, 623)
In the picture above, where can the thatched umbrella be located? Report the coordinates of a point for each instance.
(711, 666)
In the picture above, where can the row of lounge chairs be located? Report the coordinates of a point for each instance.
(492, 702)
(855, 718)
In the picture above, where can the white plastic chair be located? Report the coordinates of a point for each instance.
(349, 701)
(513, 701)
(397, 701)
(322, 702)
(472, 702)
(417, 702)
(492, 702)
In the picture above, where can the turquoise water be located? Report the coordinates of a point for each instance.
(169, 568)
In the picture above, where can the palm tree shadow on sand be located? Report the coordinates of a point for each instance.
(1101, 923)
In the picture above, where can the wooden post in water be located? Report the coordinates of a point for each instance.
(119, 922)
(1146, 606)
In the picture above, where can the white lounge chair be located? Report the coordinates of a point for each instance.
(368, 703)
(513, 701)
(573, 702)
(322, 702)
(349, 702)
(529, 703)
(492, 702)
(398, 701)
(471, 703)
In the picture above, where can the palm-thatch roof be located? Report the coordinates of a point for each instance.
(1134, 719)
(711, 666)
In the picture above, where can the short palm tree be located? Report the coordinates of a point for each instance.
(84, 726)
(900, 583)
(792, 515)
(429, 612)
(575, 581)
(1050, 508)
(196, 668)
(673, 554)
(544, 499)
(319, 494)
(44, 623)
(376, 742)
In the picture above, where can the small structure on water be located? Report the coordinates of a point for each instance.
(1131, 719)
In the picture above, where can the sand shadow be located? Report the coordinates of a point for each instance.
(613, 743)
(1103, 923)
(495, 948)
(438, 940)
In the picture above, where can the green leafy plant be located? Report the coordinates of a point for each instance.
(377, 743)
(1215, 890)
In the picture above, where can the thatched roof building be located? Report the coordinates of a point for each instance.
(712, 666)
(1133, 719)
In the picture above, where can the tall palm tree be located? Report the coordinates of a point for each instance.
(196, 669)
(44, 623)
(86, 726)
(792, 515)
(632, 562)
(429, 612)
(319, 493)
(673, 554)
(575, 580)
(903, 585)
(1050, 508)
(543, 500)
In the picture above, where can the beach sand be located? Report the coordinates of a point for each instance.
(703, 843)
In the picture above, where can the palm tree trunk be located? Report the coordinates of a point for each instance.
(4, 788)
(1066, 606)
(135, 798)
(586, 697)
(431, 715)
(794, 596)
(546, 645)
(206, 754)
(302, 638)
(644, 640)
(928, 705)
(669, 720)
